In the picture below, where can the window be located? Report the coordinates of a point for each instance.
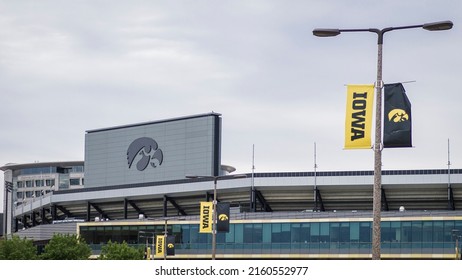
(74, 181)
(344, 232)
(77, 169)
(314, 232)
(324, 232)
(305, 233)
(285, 233)
(448, 227)
(438, 233)
(395, 231)
(248, 229)
(417, 234)
(334, 232)
(416, 231)
(276, 233)
(365, 232)
(186, 239)
(257, 233)
(427, 233)
(266, 233)
(354, 232)
(295, 233)
(230, 234)
(239, 233)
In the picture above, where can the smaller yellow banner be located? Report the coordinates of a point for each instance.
(148, 253)
(206, 217)
(160, 246)
(358, 121)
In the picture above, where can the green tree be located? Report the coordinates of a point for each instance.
(17, 249)
(66, 247)
(120, 251)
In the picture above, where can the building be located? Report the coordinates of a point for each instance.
(135, 185)
(30, 186)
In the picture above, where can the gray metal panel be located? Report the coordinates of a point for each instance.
(152, 152)
(46, 232)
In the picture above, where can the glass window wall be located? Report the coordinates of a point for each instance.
(398, 237)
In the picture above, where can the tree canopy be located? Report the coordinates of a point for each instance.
(120, 251)
(16, 248)
(66, 247)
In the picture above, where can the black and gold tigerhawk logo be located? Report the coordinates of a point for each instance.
(223, 217)
(170, 245)
(398, 115)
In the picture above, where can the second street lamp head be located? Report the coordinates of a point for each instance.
(324, 32)
(438, 26)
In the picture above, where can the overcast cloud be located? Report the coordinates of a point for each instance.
(71, 66)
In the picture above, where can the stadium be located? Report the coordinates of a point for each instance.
(147, 179)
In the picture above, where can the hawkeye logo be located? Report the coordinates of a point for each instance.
(170, 245)
(358, 115)
(147, 148)
(223, 217)
(398, 115)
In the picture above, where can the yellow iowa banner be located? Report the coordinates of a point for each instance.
(160, 246)
(358, 123)
(206, 217)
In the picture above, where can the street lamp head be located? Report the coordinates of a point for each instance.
(323, 32)
(228, 168)
(438, 26)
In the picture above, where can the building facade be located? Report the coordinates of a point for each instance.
(143, 171)
(289, 235)
(32, 184)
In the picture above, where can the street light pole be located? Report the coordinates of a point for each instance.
(214, 218)
(165, 238)
(214, 208)
(377, 188)
(146, 236)
(457, 236)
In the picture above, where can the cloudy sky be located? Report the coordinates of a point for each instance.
(71, 66)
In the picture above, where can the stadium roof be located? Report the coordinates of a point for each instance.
(274, 192)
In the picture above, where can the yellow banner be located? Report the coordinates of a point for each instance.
(148, 253)
(206, 217)
(160, 246)
(358, 121)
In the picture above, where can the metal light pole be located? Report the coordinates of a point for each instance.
(377, 190)
(214, 213)
(457, 236)
(165, 238)
(146, 235)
